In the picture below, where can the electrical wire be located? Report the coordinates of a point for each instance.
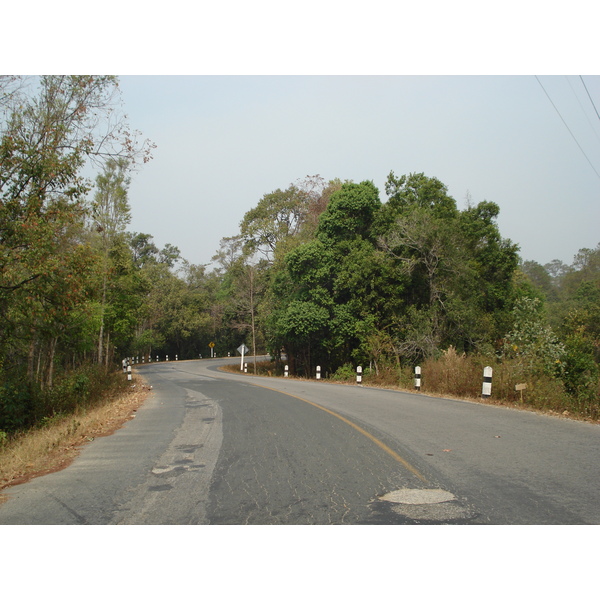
(588, 93)
(569, 130)
(582, 109)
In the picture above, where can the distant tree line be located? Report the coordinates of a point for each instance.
(320, 273)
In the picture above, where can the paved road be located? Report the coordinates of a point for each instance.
(216, 448)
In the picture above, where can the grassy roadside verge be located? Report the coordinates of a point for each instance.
(54, 446)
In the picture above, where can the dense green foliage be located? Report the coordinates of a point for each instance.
(321, 273)
(416, 280)
(396, 281)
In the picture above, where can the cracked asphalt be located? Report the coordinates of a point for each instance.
(217, 448)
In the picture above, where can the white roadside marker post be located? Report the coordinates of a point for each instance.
(486, 390)
(418, 379)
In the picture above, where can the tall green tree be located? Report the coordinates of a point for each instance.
(323, 282)
(110, 214)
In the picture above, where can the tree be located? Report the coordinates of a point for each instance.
(427, 251)
(143, 249)
(327, 275)
(302, 325)
(48, 132)
(540, 278)
(46, 138)
(51, 128)
(416, 189)
(531, 341)
(276, 216)
(110, 215)
(230, 251)
(249, 286)
(493, 262)
(283, 215)
(169, 255)
(350, 213)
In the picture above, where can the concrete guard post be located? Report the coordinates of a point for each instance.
(418, 379)
(486, 390)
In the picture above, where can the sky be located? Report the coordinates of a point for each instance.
(244, 98)
(530, 144)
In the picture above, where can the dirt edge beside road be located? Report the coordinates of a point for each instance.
(55, 446)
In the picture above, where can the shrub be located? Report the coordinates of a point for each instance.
(345, 373)
(16, 403)
(453, 374)
(23, 405)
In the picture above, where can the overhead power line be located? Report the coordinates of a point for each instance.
(569, 130)
(588, 93)
(585, 114)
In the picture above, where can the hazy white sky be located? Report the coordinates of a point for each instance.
(225, 141)
(244, 98)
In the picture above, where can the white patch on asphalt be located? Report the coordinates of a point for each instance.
(416, 496)
(433, 506)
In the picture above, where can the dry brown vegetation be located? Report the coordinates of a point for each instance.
(457, 375)
(54, 446)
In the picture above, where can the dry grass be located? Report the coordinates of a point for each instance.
(460, 376)
(54, 446)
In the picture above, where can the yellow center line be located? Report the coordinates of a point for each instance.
(379, 443)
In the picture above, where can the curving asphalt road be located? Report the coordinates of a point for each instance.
(210, 447)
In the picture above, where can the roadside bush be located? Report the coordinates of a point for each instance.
(581, 372)
(16, 405)
(23, 405)
(452, 374)
(461, 375)
(346, 372)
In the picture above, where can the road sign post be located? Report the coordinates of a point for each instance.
(243, 349)
(519, 388)
(211, 346)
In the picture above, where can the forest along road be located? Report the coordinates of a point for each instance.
(210, 447)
